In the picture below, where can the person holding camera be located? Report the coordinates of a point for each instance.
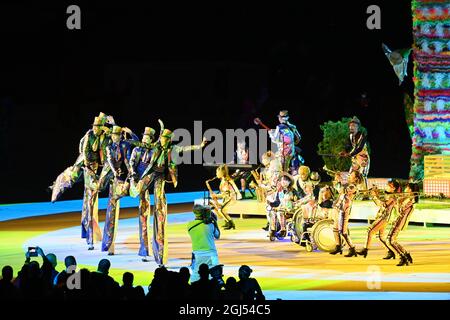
(203, 232)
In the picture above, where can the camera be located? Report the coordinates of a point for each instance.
(32, 252)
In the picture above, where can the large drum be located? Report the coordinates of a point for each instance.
(297, 224)
(322, 235)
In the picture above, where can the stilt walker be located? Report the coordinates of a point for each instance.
(139, 161)
(162, 168)
(94, 153)
(118, 154)
(72, 174)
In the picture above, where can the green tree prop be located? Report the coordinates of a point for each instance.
(335, 138)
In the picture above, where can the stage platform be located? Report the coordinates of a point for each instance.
(284, 269)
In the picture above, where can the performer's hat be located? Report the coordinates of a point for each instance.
(284, 114)
(98, 121)
(149, 131)
(314, 177)
(116, 130)
(355, 120)
(166, 133)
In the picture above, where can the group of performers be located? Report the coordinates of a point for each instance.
(287, 186)
(113, 156)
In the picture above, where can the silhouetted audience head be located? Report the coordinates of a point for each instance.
(32, 283)
(7, 273)
(231, 283)
(52, 259)
(103, 266)
(245, 272)
(128, 279)
(203, 271)
(70, 261)
(33, 271)
(184, 274)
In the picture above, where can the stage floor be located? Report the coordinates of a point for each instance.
(284, 270)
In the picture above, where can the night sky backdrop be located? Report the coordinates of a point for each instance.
(220, 63)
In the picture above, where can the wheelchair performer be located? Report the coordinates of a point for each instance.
(406, 208)
(281, 207)
(72, 174)
(139, 161)
(344, 206)
(378, 227)
(306, 177)
(118, 155)
(357, 150)
(268, 182)
(325, 203)
(162, 168)
(228, 193)
(286, 137)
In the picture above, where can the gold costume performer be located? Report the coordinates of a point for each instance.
(406, 208)
(357, 150)
(344, 206)
(228, 193)
(384, 213)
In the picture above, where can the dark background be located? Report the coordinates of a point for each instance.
(220, 63)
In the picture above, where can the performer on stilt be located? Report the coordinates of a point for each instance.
(357, 150)
(72, 174)
(386, 206)
(139, 161)
(286, 137)
(118, 154)
(228, 193)
(94, 154)
(406, 208)
(161, 168)
(269, 178)
(344, 206)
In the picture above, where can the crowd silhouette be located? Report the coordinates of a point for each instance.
(43, 282)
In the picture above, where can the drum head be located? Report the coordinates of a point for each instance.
(322, 234)
(298, 223)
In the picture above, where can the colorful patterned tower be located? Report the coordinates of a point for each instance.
(431, 53)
